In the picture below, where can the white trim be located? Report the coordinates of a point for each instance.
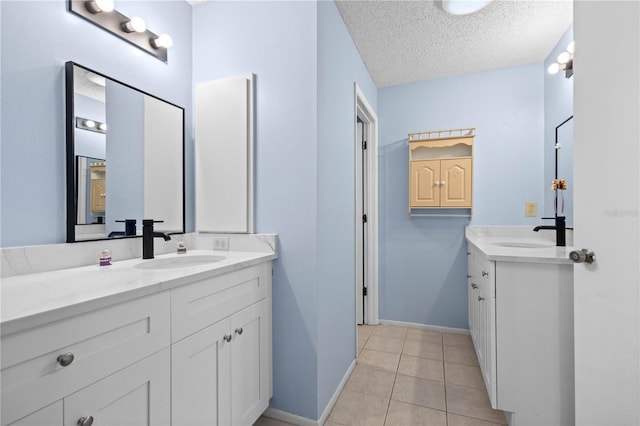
(303, 421)
(364, 109)
(426, 327)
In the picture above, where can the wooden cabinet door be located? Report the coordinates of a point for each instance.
(137, 395)
(200, 372)
(98, 195)
(455, 182)
(424, 187)
(250, 359)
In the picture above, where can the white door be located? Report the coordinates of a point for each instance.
(606, 211)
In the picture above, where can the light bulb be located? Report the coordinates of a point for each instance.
(571, 47)
(90, 123)
(564, 57)
(554, 68)
(135, 24)
(463, 7)
(102, 126)
(163, 40)
(97, 6)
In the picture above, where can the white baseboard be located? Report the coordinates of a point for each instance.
(426, 327)
(303, 421)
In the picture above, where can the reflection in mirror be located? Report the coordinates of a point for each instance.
(141, 138)
(564, 170)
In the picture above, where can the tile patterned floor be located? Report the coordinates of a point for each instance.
(412, 377)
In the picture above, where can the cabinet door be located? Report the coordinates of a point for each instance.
(98, 195)
(201, 377)
(424, 187)
(455, 182)
(250, 361)
(137, 395)
(472, 298)
(50, 415)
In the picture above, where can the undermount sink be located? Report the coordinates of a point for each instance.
(523, 244)
(179, 261)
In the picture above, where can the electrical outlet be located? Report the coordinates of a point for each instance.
(531, 209)
(221, 243)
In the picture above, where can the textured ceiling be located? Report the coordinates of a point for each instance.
(407, 41)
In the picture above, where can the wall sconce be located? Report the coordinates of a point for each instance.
(564, 62)
(134, 30)
(91, 125)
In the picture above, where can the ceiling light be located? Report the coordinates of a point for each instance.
(571, 47)
(90, 123)
(97, 6)
(102, 126)
(565, 62)
(564, 57)
(135, 24)
(163, 40)
(463, 7)
(554, 68)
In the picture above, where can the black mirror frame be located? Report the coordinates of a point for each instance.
(71, 193)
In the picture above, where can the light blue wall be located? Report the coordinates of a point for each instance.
(278, 42)
(558, 106)
(37, 38)
(423, 260)
(339, 66)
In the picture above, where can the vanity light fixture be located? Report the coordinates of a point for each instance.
(464, 7)
(91, 125)
(135, 24)
(564, 62)
(134, 30)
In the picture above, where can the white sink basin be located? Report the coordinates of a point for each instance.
(523, 244)
(179, 261)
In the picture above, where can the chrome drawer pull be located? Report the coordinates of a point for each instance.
(227, 337)
(85, 421)
(485, 274)
(480, 299)
(239, 330)
(65, 359)
(474, 286)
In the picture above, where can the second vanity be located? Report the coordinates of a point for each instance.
(180, 339)
(520, 288)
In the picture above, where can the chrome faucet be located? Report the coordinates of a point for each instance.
(148, 235)
(560, 228)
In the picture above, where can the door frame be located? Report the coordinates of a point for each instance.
(363, 109)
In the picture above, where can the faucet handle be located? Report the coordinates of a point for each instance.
(151, 221)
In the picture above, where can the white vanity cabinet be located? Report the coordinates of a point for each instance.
(221, 371)
(81, 363)
(482, 317)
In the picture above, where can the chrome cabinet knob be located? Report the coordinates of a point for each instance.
(480, 299)
(583, 256)
(239, 330)
(85, 421)
(65, 359)
(437, 183)
(227, 337)
(485, 274)
(474, 286)
(443, 183)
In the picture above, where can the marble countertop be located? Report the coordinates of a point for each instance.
(33, 299)
(519, 244)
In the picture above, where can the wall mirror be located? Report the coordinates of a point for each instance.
(125, 158)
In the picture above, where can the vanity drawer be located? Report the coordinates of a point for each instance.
(102, 342)
(198, 305)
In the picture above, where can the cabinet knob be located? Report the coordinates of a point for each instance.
(239, 330)
(227, 337)
(474, 286)
(443, 183)
(85, 421)
(65, 359)
(480, 299)
(468, 276)
(436, 183)
(485, 274)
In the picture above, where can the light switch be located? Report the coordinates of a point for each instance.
(531, 209)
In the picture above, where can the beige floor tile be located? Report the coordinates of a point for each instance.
(381, 360)
(463, 375)
(384, 344)
(331, 424)
(472, 403)
(457, 420)
(423, 350)
(424, 368)
(424, 336)
(403, 414)
(268, 421)
(460, 355)
(413, 390)
(362, 339)
(389, 331)
(450, 339)
(365, 329)
(371, 381)
(355, 408)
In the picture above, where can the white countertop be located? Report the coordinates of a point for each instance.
(33, 299)
(497, 243)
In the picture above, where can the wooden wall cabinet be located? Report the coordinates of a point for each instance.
(98, 195)
(441, 170)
